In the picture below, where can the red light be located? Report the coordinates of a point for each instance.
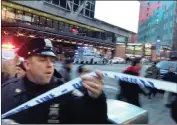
(8, 46)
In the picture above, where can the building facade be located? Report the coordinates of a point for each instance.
(157, 22)
(67, 23)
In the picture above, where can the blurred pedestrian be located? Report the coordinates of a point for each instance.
(83, 69)
(66, 109)
(20, 70)
(130, 91)
(127, 60)
(66, 70)
(174, 110)
(170, 77)
(8, 69)
(154, 73)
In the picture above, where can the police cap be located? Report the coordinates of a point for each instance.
(36, 46)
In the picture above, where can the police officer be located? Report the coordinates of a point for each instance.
(38, 57)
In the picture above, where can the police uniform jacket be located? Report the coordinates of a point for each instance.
(68, 108)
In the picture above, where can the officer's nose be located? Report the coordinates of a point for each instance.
(50, 62)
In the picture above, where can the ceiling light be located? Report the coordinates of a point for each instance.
(51, 38)
(73, 42)
(6, 32)
(20, 34)
(79, 43)
(65, 41)
(59, 40)
(32, 36)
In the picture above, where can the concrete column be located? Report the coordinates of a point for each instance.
(120, 51)
(154, 56)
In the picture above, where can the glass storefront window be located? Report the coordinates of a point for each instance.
(35, 20)
(138, 50)
(63, 3)
(3, 12)
(130, 49)
(27, 18)
(92, 7)
(61, 26)
(92, 14)
(42, 21)
(66, 28)
(10, 15)
(19, 15)
(55, 25)
(87, 12)
(49, 23)
(88, 5)
(56, 2)
(75, 7)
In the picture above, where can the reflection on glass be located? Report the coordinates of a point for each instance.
(27, 18)
(49, 23)
(148, 52)
(61, 26)
(130, 49)
(66, 28)
(3, 12)
(35, 20)
(10, 15)
(55, 25)
(19, 15)
(138, 50)
(42, 21)
(87, 12)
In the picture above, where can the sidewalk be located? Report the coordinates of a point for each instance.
(158, 113)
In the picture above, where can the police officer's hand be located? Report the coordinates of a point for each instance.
(94, 85)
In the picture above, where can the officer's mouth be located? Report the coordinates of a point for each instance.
(48, 73)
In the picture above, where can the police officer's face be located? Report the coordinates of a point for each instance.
(39, 69)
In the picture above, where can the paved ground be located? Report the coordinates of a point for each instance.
(158, 114)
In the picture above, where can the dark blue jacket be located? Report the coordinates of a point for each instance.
(174, 110)
(171, 77)
(64, 109)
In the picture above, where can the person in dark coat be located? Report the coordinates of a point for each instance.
(152, 72)
(170, 77)
(68, 108)
(130, 91)
(66, 70)
(174, 110)
(57, 74)
(83, 69)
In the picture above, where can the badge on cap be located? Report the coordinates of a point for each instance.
(47, 43)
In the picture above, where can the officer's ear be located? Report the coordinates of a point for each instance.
(26, 63)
